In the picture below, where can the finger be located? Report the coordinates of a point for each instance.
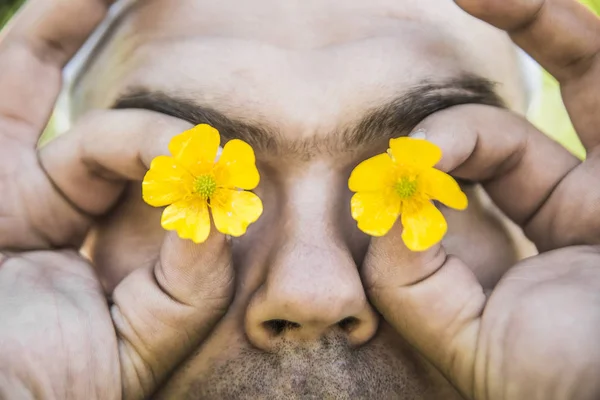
(432, 300)
(33, 50)
(83, 174)
(90, 164)
(564, 37)
(164, 312)
(519, 166)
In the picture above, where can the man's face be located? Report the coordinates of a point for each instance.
(315, 87)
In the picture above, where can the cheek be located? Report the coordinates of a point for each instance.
(484, 238)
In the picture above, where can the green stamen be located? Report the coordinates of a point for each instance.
(406, 188)
(205, 186)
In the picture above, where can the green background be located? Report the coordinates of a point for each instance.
(7, 9)
(548, 112)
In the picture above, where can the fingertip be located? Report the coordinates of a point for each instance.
(185, 261)
(397, 265)
(186, 250)
(419, 133)
(191, 272)
(465, 130)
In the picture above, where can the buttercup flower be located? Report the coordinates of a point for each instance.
(403, 182)
(191, 182)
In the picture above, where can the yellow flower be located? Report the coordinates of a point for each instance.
(403, 182)
(190, 182)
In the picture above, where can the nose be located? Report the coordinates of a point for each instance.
(311, 292)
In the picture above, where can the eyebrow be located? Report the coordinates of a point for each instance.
(392, 119)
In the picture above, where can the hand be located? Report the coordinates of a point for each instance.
(59, 336)
(50, 198)
(536, 335)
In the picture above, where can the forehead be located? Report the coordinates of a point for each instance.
(305, 67)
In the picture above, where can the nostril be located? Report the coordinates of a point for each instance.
(278, 326)
(348, 324)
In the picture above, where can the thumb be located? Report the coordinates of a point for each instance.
(433, 300)
(164, 312)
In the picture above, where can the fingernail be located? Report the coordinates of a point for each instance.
(418, 134)
(219, 152)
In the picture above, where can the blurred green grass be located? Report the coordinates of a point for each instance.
(7, 9)
(548, 113)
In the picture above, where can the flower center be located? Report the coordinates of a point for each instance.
(405, 187)
(205, 186)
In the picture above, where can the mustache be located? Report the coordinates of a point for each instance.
(327, 369)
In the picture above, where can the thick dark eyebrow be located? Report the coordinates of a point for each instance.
(392, 119)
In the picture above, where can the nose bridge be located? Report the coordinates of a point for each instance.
(313, 287)
(312, 270)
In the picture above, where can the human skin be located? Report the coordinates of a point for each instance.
(304, 261)
(299, 262)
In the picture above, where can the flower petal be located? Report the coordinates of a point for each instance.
(440, 186)
(165, 182)
(372, 174)
(375, 212)
(423, 226)
(234, 210)
(236, 167)
(189, 217)
(415, 152)
(196, 148)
